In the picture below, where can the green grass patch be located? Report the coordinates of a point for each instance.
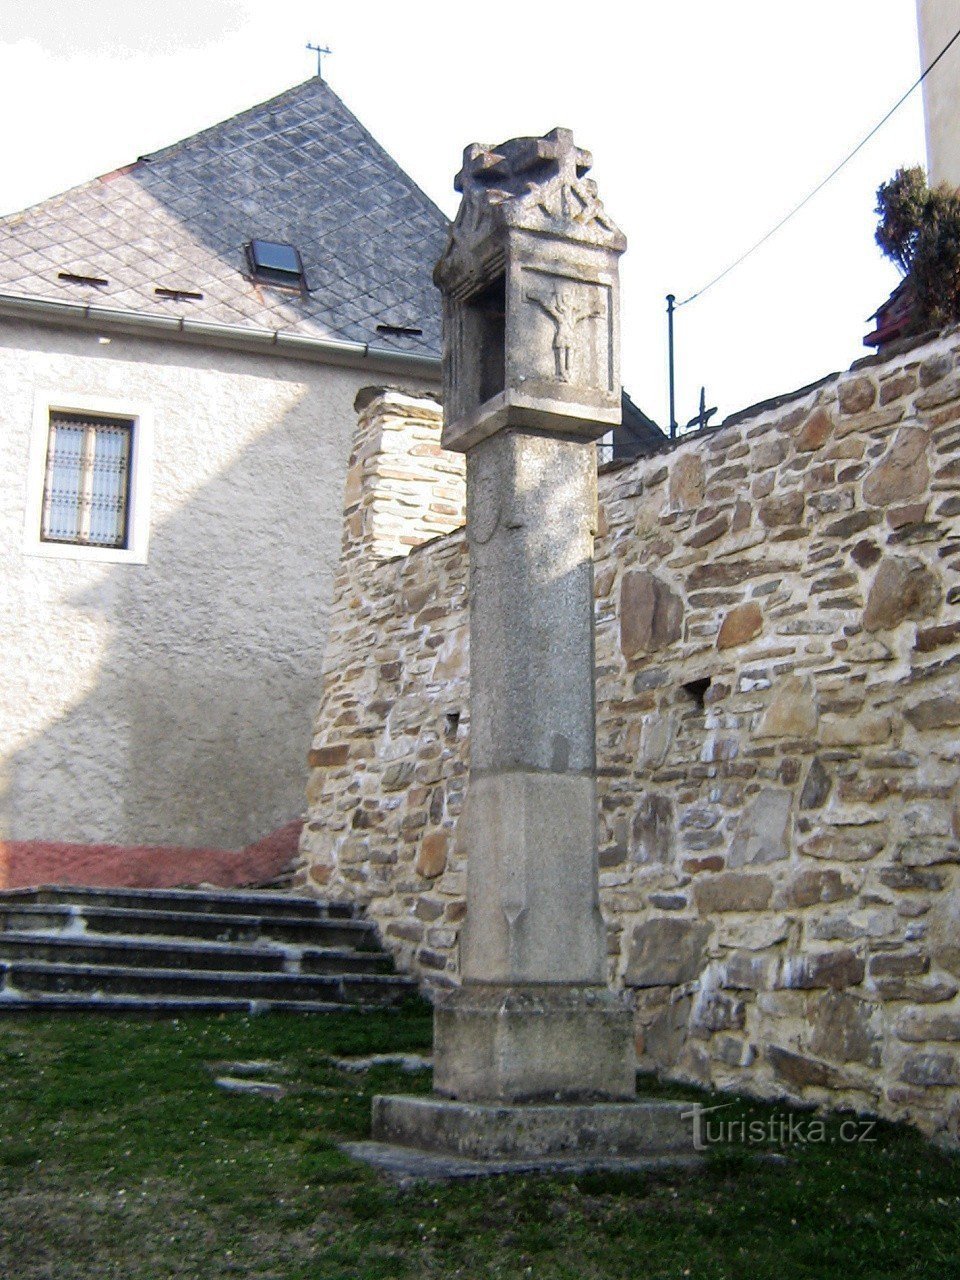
(120, 1158)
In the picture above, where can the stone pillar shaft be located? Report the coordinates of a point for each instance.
(534, 913)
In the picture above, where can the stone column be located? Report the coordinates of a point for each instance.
(531, 381)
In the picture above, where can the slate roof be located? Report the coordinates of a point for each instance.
(299, 169)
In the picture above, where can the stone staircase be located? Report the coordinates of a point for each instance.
(173, 951)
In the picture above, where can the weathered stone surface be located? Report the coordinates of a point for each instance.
(651, 615)
(518, 1043)
(666, 951)
(856, 395)
(928, 1026)
(810, 887)
(715, 1011)
(741, 625)
(687, 482)
(791, 712)
(909, 879)
(838, 968)
(709, 532)
(432, 855)
(652, 829)
(815, 432)
(782, 509)
(903, 588)
(838, 845)
(328, 757)
(856, 731)
(762, 834)
(931, 1070)
(537, 918)
(397, 776)
(843, 1031)
(816, 786)
(898, 964)
(665, 1035)
(932, 638)
(866, 554)
(511, 1139)
(797, 1069)
(732, 891)
(903, 473)
(940, 712)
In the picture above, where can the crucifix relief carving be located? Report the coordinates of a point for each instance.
(567, 311)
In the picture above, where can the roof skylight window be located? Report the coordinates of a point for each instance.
(275, 263)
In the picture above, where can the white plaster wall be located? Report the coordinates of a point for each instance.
(938, 21)
(171, 702)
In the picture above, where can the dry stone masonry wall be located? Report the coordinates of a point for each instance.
(778, 684)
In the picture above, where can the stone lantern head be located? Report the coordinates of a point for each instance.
(531, 307)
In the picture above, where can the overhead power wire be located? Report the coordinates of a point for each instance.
(820, 185)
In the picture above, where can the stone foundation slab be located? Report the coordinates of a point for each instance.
(534, 1136)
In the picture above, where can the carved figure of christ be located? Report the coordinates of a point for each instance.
(566, 311)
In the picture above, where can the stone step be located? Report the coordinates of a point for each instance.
(148, 953)
(158, 1006)
(31, 977)
(157, 952)
(208, 925)
(261, 903)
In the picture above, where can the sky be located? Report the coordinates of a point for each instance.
(707, 119)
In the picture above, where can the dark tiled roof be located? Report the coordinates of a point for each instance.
(299, 169)
(638, 436)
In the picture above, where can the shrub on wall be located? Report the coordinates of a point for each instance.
(919, 230)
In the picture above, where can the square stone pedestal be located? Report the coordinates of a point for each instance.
(530, 1043)
(437, 1138)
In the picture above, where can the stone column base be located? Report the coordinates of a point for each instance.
(531, 1043)
(436, 1138)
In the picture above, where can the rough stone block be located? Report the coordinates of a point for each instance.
(605, 1131)
(839, 968)
(742, 624)
(763, 833)
(799, 1070)
(523, 1043)
(666, 951)
(903, 588)
(791, 712)
(534, 914)
(931, 1070)
(843, 1029)
(732, 891)
(903, 473)
(651, 615)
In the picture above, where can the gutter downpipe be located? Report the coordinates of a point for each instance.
(231, 337)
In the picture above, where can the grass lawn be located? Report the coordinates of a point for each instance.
(119, 1157)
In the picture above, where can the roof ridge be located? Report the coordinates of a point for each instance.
(51, 201)
(172, 147)
(380, 147)
(237, 116)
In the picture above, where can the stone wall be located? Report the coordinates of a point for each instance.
(778, 682)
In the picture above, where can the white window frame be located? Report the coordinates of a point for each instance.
(141, 478)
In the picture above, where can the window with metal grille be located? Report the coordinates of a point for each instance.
(86, 489)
